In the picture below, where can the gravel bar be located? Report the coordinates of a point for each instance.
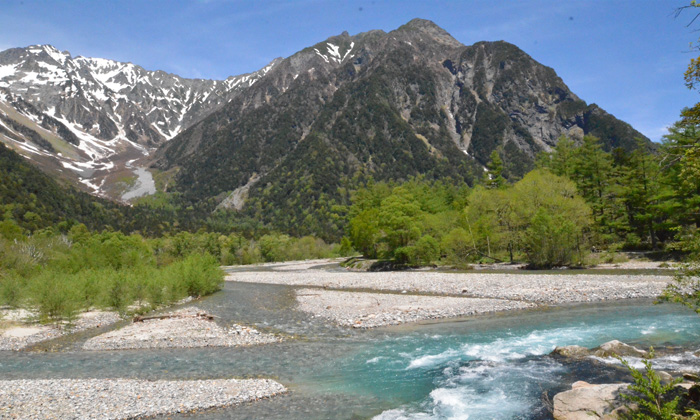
(541, 289)
(369, 310)
(19, 337)
(124, 398)
(184, 329)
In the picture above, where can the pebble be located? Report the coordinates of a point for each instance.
(86, 321)
(124, 398)
(185, 328)
(541, 289)
(370, 310)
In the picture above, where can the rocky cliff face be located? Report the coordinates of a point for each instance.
(99, 113)
(413, 101)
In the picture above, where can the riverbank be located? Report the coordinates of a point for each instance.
(340, 372)
(410, 296)
(19, 331)
(186, 328)
(125, 398)
(369, 310)
(540, 288)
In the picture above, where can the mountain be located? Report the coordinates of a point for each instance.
(385, 106)
(88, 119)
(287, 144)
(34, 200)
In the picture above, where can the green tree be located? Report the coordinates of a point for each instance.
(364, 232)
(493, 178)
(640, 192)
(560, 161)
(553, 219)
(399, 215)
(491, 222)
(591, 172)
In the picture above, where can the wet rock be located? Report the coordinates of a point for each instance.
(570, 351)
(690, 376)
(694, 394)
(585, 401)
(665, 377)
(617, 348)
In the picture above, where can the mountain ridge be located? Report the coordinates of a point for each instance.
(379, 105)
(120, 111)
(410, 102)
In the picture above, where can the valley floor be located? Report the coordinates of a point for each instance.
(373, 299)
(321, 288)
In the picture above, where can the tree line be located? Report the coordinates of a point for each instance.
(579, 199)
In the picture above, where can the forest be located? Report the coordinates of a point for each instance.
(579, 206)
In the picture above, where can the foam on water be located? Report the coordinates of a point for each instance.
(502, 376)
(686, 361)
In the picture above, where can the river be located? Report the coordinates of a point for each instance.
(486, 367)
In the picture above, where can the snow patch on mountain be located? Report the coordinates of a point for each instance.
(333, 53)
(113, 108)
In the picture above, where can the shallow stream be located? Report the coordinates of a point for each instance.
(487, 367)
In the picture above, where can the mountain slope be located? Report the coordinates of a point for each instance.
(410, 102)
(100, 113)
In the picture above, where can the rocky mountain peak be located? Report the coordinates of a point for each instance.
(413, 101)
(410, 102)
(418, 28)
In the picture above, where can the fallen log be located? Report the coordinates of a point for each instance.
(202, 315)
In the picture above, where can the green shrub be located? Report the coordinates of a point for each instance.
(11, 289)
(54, 295)
(426, 250)
(197, 275)
(115, 290)
(650, 397)
(551, 240)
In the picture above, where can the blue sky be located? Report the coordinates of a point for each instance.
(626, 56)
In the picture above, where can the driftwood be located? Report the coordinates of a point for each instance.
(201, 315)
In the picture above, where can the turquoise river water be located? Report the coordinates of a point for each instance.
(487, 367)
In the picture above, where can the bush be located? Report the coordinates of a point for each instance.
(11, 289)
(458, 247)
(54, 296)
(551, 241)
(426, 250)
(115, 290)
(650, 397)
(197, 275)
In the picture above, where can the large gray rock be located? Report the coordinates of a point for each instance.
(571, 351)
(586, 402)
(617, 348)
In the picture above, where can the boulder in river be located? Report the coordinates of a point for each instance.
(617, 348)
(570, 351)
(586, 402)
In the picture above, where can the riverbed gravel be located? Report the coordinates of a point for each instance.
(185, 328)
(22, 334)
(124, 398)
(370, 310)
(537, 288)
